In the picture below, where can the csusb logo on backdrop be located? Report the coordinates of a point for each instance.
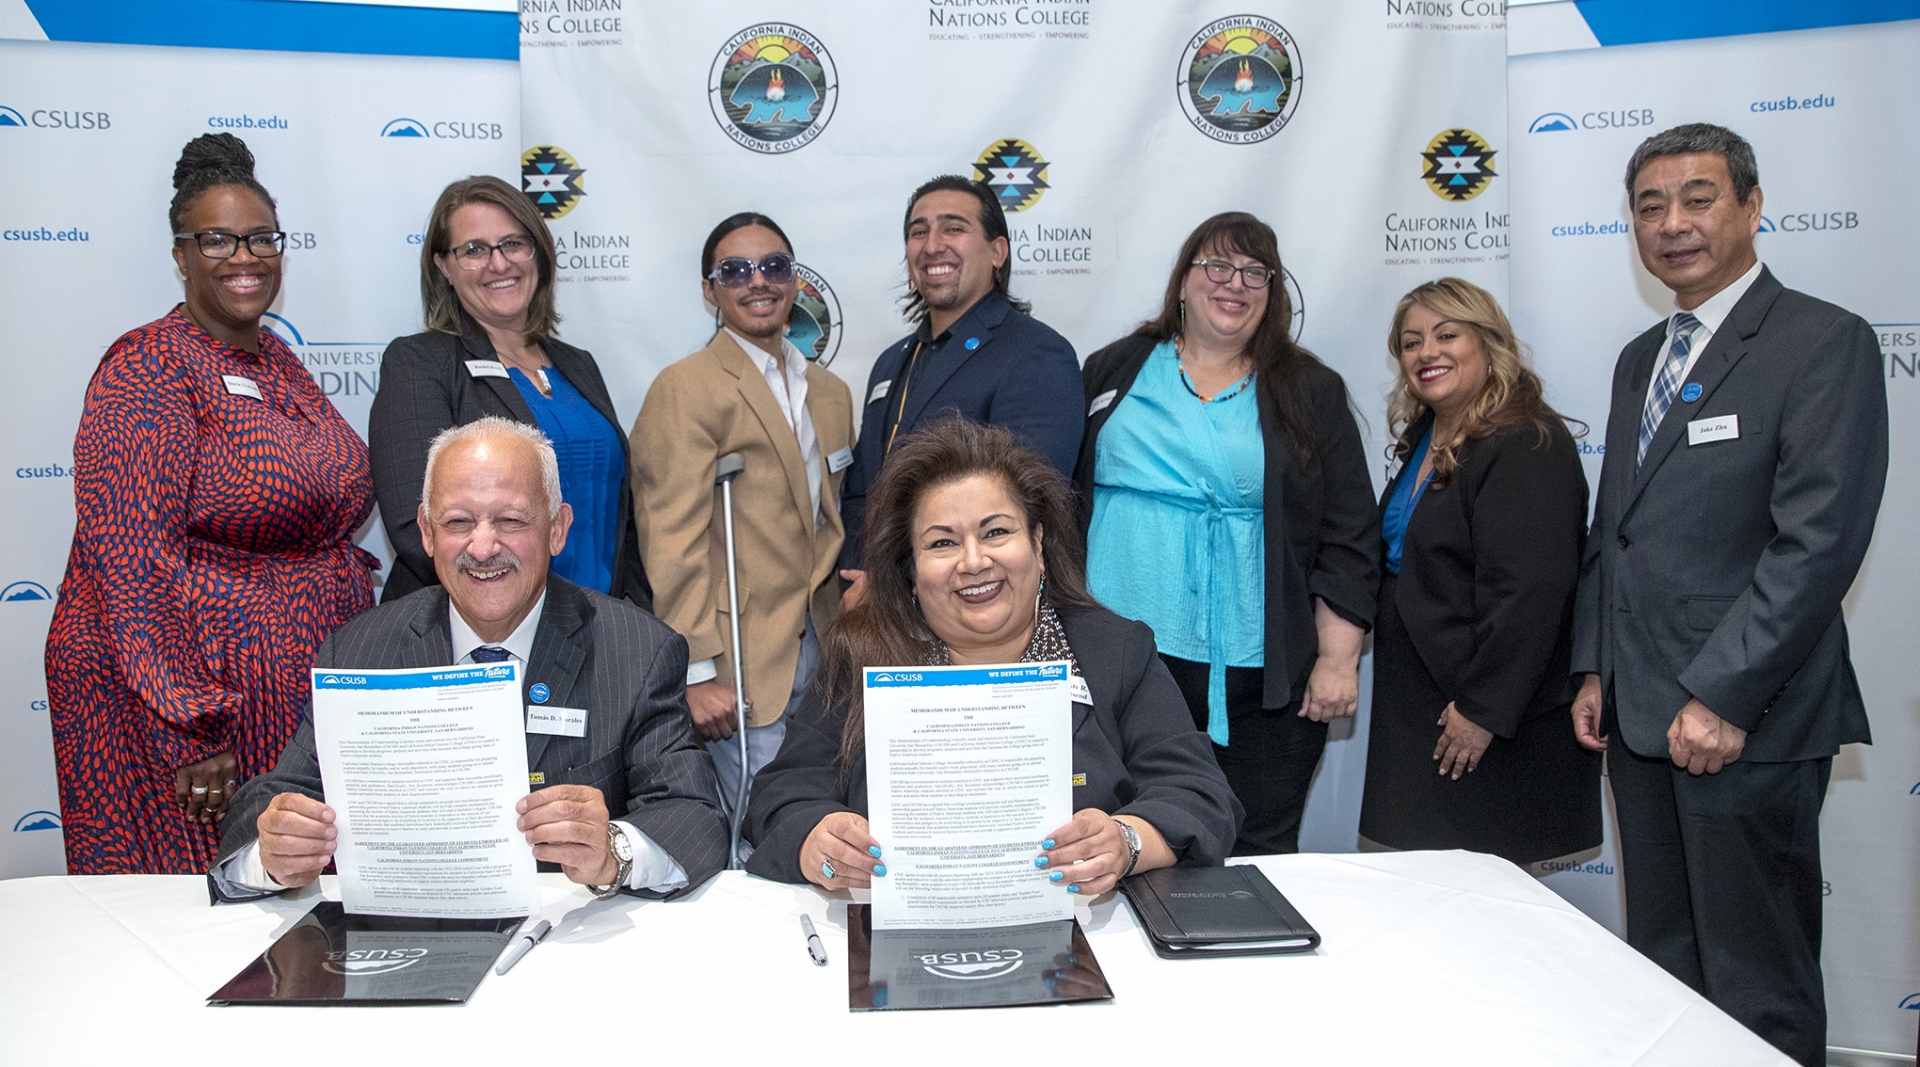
(1900, 349)
(1239, 79)
(1810, 221)
(339, 368)
(41, 819)
(444, 130)
(813, 326)
(1637, 118)
(19, 592)
(773, 87)
(54, 119)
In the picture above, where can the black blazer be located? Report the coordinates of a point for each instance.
(1020, 375)
(1322, 526)
(1488, 572)
(1717, 570)
(1136, 745)
(627, 668)
(424, 389)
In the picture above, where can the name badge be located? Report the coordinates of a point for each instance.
(1102, 402)
(1722, 428)
(486, 368)
(560, 722)
(1077, 689)
(839, 461)
(239, 386)
(880, 391)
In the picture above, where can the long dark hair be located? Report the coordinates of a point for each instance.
(439, 302)
(887, 629)
(1277, 360)
(993, 222)
(208, 162)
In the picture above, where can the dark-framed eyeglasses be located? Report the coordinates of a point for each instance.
(1220, 272)
(476, 254)
(216, 244)
(736, 271)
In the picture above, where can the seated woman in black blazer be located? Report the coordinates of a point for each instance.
(486, 284)
(968, 541)
(1484, 523)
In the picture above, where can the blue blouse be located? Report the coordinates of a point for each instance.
(1399, 510)
(1179, 488)
(592, 466)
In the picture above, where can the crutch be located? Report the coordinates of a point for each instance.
(725, 471)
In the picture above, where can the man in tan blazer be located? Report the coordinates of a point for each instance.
(749, 391)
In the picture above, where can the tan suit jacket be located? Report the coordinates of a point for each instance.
(711, 403)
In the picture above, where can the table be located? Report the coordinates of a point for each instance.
(1428, 957)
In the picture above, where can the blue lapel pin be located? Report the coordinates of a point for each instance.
(1691, 393)
(539, 692)
(973, 343)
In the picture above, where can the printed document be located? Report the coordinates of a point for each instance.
(968, 770)
(422, 769)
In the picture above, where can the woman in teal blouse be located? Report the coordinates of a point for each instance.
(1222, 453)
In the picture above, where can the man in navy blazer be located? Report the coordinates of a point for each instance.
(976, 353)
(1746, 455)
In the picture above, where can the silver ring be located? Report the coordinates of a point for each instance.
(199, 790)
(212, 790)
(826, 868)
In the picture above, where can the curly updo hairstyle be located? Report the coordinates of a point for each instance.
(208, 162)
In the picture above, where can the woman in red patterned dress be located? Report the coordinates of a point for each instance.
(217, 493)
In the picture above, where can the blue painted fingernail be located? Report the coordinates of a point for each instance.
(1039, 861)
(1056, 876)
(1073, 889)
(880, 869)
(1048, 843)
(874, 851)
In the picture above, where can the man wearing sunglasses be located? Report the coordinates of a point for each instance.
(976, 352)
(752, 392)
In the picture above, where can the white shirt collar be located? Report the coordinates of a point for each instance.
(519, 642)
(796, 363)
(1714, 310)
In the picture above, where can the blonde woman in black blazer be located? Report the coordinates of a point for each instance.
(1483, 528)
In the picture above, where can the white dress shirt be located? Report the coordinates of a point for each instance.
(787, 377)
(1712, 312)
(653, 867)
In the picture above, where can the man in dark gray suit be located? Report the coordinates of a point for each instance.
(1746, 454)
(491, 519)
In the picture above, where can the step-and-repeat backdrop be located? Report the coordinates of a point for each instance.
(1378, 139)
(1830, 110)
(357, 117)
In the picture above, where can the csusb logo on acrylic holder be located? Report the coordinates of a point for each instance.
(972, 966)
(370, 962)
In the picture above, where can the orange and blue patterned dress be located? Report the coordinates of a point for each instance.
(217, 492)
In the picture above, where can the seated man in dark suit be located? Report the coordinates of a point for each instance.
(491, 518)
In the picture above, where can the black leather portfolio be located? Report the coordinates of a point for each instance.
(330, 957)
(1197, 912)
(1000, 967)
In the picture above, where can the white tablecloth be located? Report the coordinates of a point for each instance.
(1427, 957)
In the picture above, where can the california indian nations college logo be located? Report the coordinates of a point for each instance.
(1239, 79)
(772, 87)
(552, 180)
(1013, 170)
(1458, 165)
(813, 326)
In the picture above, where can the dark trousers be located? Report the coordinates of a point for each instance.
(1723, 886)
(1268, 760)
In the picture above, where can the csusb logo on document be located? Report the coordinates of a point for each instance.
(773, 87)
(972, 966)
(813, 326)
(552, 179)
(1239, 79)
(369, 962)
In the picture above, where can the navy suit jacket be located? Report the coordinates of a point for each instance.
(996, 365)
(1715, 571)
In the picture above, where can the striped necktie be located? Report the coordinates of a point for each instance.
(1668, 385)
(491, 654)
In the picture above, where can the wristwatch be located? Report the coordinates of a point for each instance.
(623, 853)
(1133, 846)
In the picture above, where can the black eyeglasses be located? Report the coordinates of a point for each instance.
(476, 254)
(1220, 273)
(736, 271)
(215, 244)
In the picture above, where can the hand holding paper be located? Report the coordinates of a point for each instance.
(567, 824)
